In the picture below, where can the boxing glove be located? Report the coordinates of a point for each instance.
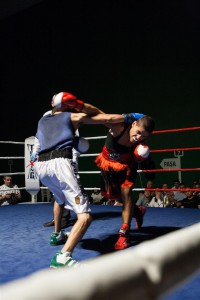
(66, 100)
(131, 117)
(141, 152)
(81, 144)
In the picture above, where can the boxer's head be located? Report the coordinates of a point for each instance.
(141, 129)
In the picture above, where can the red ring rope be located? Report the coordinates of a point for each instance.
(169, 170)
(176, 130)
(173, 190)
(174, 149)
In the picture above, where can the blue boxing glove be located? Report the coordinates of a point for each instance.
(131, 117)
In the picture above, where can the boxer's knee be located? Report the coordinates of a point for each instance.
(85, 218)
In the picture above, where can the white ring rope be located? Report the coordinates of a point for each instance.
(18, 173)
(13, 157)
(91, 154)
(147, 272)
(10, 142)
(89, 172)
(95, 137)
(13, 189)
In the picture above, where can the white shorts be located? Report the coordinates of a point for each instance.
(60, 176)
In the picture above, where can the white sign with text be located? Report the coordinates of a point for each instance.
(170, 163)
(31, 178)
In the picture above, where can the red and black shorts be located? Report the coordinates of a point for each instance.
(112, 181)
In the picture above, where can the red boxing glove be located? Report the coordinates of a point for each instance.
(66, 100)
(141, 152)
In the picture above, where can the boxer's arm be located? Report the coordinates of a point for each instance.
(90, 109)
(108, 120)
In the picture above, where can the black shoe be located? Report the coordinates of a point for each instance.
(64, 223)
(65, 218)
(48, 224)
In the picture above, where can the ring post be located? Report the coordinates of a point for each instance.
(32, 182)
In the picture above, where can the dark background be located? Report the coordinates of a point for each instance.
(122, 56)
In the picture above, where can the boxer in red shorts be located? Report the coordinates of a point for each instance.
(118, 163)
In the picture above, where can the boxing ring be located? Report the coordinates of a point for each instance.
(163, 261)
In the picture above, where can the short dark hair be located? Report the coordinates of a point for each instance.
(4, 177)
(146, 122)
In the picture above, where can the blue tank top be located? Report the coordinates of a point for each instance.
(55, 132)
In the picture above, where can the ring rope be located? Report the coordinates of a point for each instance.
(13, 157)
(13, 189)
(172, 189)
(134, 189)
(174, 149)
(23, 188)
(17, 173)
(169, 170)
(156, 189)
(10, 142)
(154, 132)
(148, 171)
(139, 171)
(89, 172)
(176, 130)
(95, 137)
(92, 154)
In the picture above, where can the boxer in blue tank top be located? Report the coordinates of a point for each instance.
(53, 163)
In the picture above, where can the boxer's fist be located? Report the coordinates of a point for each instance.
(141, 152)
(81, 144)
(66, 100)
(131, 117)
